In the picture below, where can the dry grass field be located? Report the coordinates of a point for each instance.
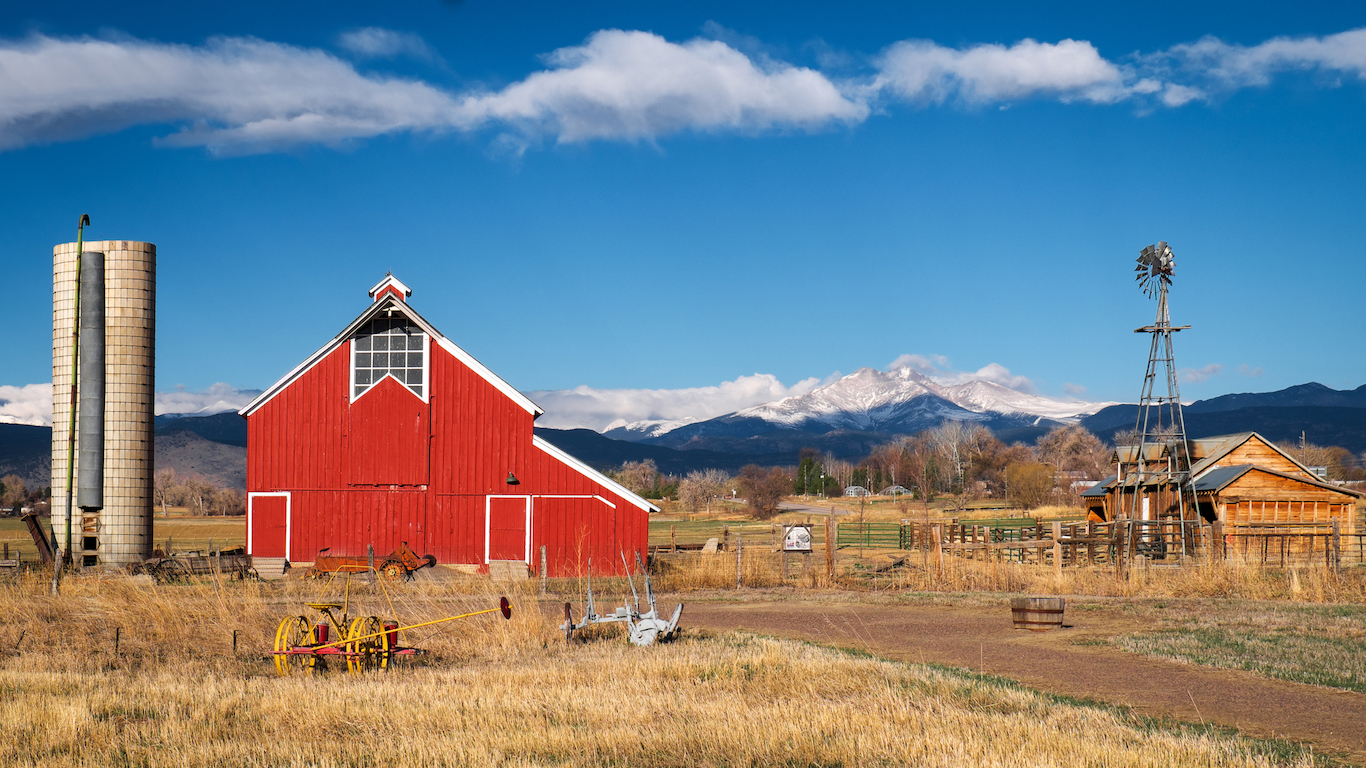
(511, 693)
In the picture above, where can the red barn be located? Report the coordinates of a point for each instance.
(391, 433)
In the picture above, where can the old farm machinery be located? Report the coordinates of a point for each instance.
(641, 628)
(364, 642)
(397, 565)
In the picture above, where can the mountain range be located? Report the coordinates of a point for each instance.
(846, 418)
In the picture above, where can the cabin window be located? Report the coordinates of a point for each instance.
(389, 347)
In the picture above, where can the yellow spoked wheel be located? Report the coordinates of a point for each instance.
(294, 632)
(368, 643)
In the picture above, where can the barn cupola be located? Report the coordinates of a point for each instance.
(391, 286)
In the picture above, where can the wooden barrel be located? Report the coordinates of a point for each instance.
(1039, 614)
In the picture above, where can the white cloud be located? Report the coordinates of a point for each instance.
(243, 94)
(216, 399)
(1069, 70)
(595, 409)
(32, 403)
(1075, 390)
(1249, 371)
(250, 95)
(637, 85)
(1197, 375)
(937, 368)
(29, 404)
(1236, 66)
(380, 43)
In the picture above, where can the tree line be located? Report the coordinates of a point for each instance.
(955, 461)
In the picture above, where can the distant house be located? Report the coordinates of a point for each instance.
(856, 490)
(1242, 479)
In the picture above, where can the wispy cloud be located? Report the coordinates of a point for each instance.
(1212, 65)
(598, 408)
(380, 43)
(243, 94)
(1249, 371)
(938, 368)
(32, 403)
(1197, 375)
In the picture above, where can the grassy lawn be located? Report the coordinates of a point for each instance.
(1315, 644)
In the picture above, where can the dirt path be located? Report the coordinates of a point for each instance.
(982, 639)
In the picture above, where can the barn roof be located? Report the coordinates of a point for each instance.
(1216, 448)
(389, 303)
(1218, 479)
(593, 474)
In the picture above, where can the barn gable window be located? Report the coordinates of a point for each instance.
(389, 347)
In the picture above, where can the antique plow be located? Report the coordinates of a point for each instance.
(397, 565)
(641, 628)
(363, 642)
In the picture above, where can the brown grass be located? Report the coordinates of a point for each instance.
(920, 572)
(511, 693)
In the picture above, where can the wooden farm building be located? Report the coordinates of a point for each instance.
(391, 433)
(1240, 480)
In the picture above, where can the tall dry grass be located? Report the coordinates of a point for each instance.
(923, 572)
(511, 694)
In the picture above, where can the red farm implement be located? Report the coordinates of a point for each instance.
(364, 643)
(395, 566)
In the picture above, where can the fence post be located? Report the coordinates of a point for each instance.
(1057, 550)
(1337, 546)
(937, 533)
(673, 540)
(830, 544)
(370, 563)
(543, 574)
(739, 553)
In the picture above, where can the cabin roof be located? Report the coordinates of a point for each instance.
(1220, 446)
(1218, 479)
(1101, 488)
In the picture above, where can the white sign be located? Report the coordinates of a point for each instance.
(797, 538)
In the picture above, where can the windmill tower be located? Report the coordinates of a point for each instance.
(1160, 466)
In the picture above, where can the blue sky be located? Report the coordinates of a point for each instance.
(731, 200)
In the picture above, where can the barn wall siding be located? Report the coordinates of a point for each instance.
(390, 468)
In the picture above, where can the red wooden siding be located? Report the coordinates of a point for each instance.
(268, 525)
(390, 468)
(386, 437)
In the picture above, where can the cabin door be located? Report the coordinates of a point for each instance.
(268, 524)
(507, 528)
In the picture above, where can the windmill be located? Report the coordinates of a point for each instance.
(1162, 459)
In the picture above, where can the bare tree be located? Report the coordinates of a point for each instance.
(701, 486)
(764, 488)
(13, 492)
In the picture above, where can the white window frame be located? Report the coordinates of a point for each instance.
(488, 509)
(426, 370)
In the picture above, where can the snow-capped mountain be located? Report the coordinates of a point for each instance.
(636, 431)
(868, 400)
(990, 397)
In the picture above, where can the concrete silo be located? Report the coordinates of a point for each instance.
(121, 531)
